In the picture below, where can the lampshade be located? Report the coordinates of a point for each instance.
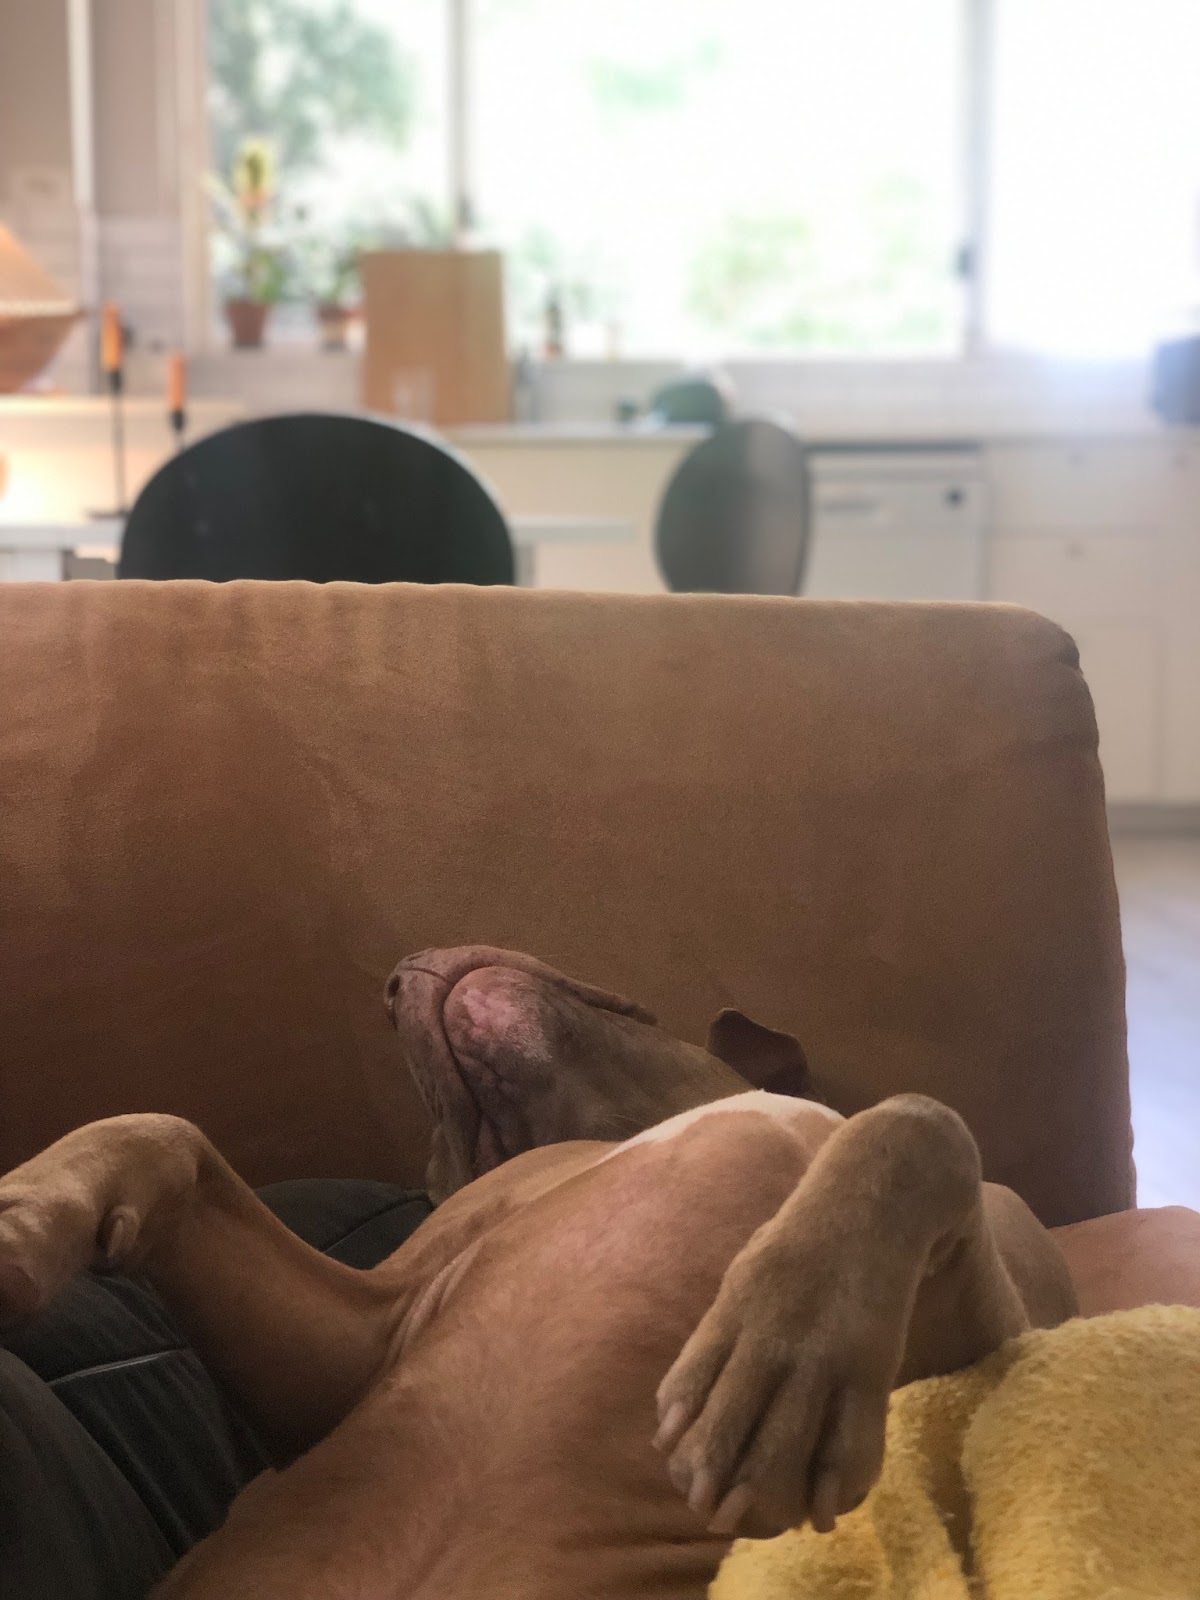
(35, 315)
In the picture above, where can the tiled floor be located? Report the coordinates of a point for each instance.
(1159, 883)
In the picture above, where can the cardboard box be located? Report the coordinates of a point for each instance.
(435, 346)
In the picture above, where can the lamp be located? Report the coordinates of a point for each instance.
(35, 315)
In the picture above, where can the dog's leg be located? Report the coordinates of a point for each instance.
(889, 1262)
(296, 1337)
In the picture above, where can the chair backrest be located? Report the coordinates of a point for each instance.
(324, 498)
(735, 517)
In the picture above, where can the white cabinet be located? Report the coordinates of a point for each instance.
(1104, 537)
(1079, 575)
(1121, 660)
(901, 524)
(537, 473)
(1181, 714)
(1181, 638)
(1087, 485)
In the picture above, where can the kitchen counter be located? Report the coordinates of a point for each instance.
(845, 427)
(537, 435)
(850, 430)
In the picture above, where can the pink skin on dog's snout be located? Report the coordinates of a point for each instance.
(485, 1009)
(495, 1014)
(496, 1025)
(478, 1044)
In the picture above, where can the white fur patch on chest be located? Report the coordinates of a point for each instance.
(779, 1108)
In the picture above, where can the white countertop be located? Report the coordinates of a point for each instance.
(823, 425)
(834, 430)
(825, 428)
(59, 407)
(535, 434)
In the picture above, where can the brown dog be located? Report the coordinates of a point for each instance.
(746, 1272)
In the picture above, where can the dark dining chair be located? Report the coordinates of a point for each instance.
(320, 497)
(735, 517)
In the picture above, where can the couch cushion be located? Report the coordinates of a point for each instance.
(109, 1352)
(1134, 1258)
(71, 1526)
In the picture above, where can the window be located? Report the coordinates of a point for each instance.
(703, 176)
(350, 96)
(1095, 192)
(689, 176)
(699, 178)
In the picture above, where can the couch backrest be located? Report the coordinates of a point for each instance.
(227, 810)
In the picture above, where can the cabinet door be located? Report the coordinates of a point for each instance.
(1181, 713)
(1120, 660)
(1094, 534)
(913, 566)
(1106, 592)
(1074, 577)
(1181, 612)
(1093, 484)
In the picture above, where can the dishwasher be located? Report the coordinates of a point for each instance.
(897, 523)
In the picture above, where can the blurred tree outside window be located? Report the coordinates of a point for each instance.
(690, 176)
(350, 97)
(727, 176)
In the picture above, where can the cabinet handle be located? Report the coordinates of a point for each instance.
(860, 505)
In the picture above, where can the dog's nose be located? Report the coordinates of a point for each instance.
(390, 992)
(448, 967)
(403, 975)
(421, 964)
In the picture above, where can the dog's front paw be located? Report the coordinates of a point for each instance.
(87, 1201)
(775, 1411)
(45, 1237)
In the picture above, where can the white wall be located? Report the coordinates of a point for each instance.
(37, 180)
(125, 242)
(35, 110)
(135, 146)
(135, 79)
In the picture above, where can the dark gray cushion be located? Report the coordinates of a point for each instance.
(71, 1526)
(108, 1360)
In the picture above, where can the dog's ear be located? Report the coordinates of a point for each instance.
(765, 1057)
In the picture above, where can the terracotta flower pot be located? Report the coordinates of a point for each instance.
(247, 322)
(334, 322)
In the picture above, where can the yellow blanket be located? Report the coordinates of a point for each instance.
(1064, 1467)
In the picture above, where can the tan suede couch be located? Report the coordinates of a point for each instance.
(226, 810)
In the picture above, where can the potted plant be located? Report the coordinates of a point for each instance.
(334, 288)
(251, 256)
(328, 261)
